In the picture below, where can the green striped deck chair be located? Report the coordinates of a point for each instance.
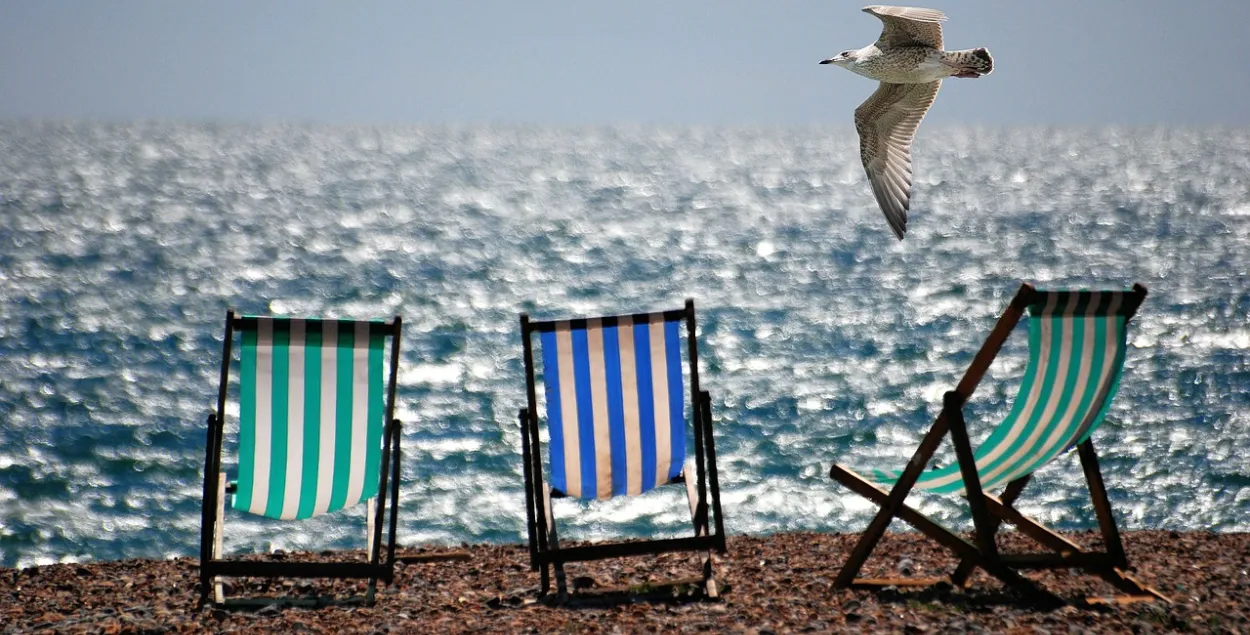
(1077, 345)
(315, 436)
(617, 426)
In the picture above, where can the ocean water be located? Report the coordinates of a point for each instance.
(822, 338)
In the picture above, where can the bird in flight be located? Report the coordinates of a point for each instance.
(909, 62)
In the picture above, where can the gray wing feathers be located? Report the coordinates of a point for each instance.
(909, 26)
(886, 124)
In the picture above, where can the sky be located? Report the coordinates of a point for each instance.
(579, 62)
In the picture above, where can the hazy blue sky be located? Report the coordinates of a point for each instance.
(645, 61)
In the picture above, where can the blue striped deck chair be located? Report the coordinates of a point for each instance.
(1077, 345)
(618, 425)
(316, 435)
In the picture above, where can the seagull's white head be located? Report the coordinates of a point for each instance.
(842, 59)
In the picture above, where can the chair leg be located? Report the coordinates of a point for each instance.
(889, 507)
(1102, 506)
(698, 517)
(1106, 522)
(867, 540)
(219, 594)
(553, 545)
(370, 507)
(952, 408)
(1013, 490)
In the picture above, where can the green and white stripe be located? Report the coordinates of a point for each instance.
(311, 416)
(1077, 342)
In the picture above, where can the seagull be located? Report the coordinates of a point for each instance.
(909, 62)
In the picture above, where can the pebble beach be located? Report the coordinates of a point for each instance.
(771, 584)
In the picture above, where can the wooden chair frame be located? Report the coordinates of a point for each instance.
(703, 495)
(213, 566)
(988, 511)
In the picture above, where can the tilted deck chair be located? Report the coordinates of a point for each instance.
(1077, 342)
(618, 427)
(316, 435)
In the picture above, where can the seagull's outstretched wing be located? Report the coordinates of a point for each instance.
(887, 123)
(908, 26)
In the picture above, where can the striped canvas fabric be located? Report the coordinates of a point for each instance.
(311, 416)
(614, 405)
(1077, 342)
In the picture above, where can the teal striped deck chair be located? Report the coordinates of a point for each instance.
(1077, 345)
(316, 436)
(618, 425)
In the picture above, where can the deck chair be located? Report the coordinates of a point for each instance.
(618, 425)
(316, 435)
(1077, 342)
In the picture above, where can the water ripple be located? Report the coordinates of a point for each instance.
(822, 339)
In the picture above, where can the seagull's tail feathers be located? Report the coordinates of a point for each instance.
(971, 62)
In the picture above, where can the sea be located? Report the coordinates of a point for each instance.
(822, 338)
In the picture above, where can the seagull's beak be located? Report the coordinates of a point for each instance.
(828, 61)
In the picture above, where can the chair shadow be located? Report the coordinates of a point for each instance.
(267, 604)
(587, 596)
(948, 597)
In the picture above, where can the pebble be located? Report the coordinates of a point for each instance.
(780, 583)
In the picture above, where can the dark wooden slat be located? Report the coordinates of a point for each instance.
(399, 456)
(1031, 528)
(249, 322)
(672, 315)
(953, 405)
(1102, 506)
(526, 467)
(697, 421)
(212, 461)
(1139, 296)
(226, 351)
(533, 469)
(208, 507)
(713, 481)
(994, 343)
(384, 477)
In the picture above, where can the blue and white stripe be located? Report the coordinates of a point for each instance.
(615, 406)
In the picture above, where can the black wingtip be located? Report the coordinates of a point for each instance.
(899, 229)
